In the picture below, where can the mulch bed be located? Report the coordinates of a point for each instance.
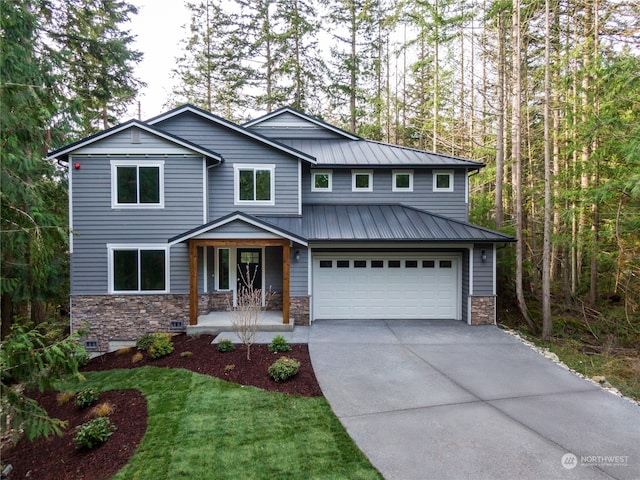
(57, 457)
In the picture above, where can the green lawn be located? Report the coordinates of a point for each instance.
(200, 427)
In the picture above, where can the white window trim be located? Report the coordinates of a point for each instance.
(111, 247)
(134, 163)
(217, 269)
(443, 172)
(253, 166)
(321, 172)
(361, 172)
(394, 174)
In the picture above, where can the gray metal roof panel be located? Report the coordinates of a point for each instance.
(367, 153)
(380, 223)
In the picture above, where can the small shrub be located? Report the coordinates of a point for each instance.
(226, 345)
(228, 369)
(103, 409)
(137, 357)
(93, 433)
(81, 355)
(64, 397)
(284, 368)
(186, 354)
(161, 346)
(123, 351)
(86, 398)
(145, 341)
(279, 344)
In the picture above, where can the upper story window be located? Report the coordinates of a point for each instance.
(362, 180)
(254, 184)
(138, 269)
(402, 181)
(321, 181)
(137, 184)
(443, 180)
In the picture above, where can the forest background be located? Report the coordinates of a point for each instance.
(546, 93)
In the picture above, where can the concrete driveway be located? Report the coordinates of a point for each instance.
(443, 400)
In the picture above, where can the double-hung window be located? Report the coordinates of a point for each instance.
(254, 184)
(138, 269)
(137, 184)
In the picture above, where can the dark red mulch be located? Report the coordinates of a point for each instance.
(57, 458)
(206, 359)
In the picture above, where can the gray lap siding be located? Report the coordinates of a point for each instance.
(96, 224)
(450, 204)
(235, 149)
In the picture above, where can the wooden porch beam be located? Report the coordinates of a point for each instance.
(249, 242)
(193, 283)
(286, 280)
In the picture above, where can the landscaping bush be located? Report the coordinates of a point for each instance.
(161, 346)
(284, 368)
(145, 341)
(86, 398)
(64, 397)
(137, 357)
(103, 409)
(279, 344)
(93, 433)
(226, 345)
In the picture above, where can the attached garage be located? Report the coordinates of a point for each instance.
(386, 286)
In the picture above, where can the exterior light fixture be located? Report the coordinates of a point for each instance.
(483, 256)
(297, 255)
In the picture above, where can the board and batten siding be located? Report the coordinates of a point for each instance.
(449, 204)
(133, 141)
(95, 223)
(236, 148)
(483, 271)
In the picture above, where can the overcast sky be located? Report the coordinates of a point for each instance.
(158, 31)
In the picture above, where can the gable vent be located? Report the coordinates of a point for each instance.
(135, 135)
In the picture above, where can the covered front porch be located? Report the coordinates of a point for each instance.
(212, 319)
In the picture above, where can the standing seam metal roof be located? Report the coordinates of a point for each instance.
(367, 153)
(379, 223)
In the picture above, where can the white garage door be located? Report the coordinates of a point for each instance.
(386, 286)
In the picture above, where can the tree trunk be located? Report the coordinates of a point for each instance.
(546, 242)
(517, 163)
(7, 315)
(500, 126)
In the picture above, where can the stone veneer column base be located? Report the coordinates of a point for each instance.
(300, 310)
(483, 310)
(126, 317)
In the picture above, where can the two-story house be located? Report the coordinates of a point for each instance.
(166, 215)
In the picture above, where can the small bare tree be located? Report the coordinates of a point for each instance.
(245, 315)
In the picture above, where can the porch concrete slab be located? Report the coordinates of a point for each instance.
(433, 332)
(365, 379)
(465, 441)
(500, 370)
(300, 334)
(588, 424)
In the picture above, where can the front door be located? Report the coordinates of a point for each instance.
(249, 268)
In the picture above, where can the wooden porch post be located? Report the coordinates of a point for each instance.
(193, 283)
(286, 279)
